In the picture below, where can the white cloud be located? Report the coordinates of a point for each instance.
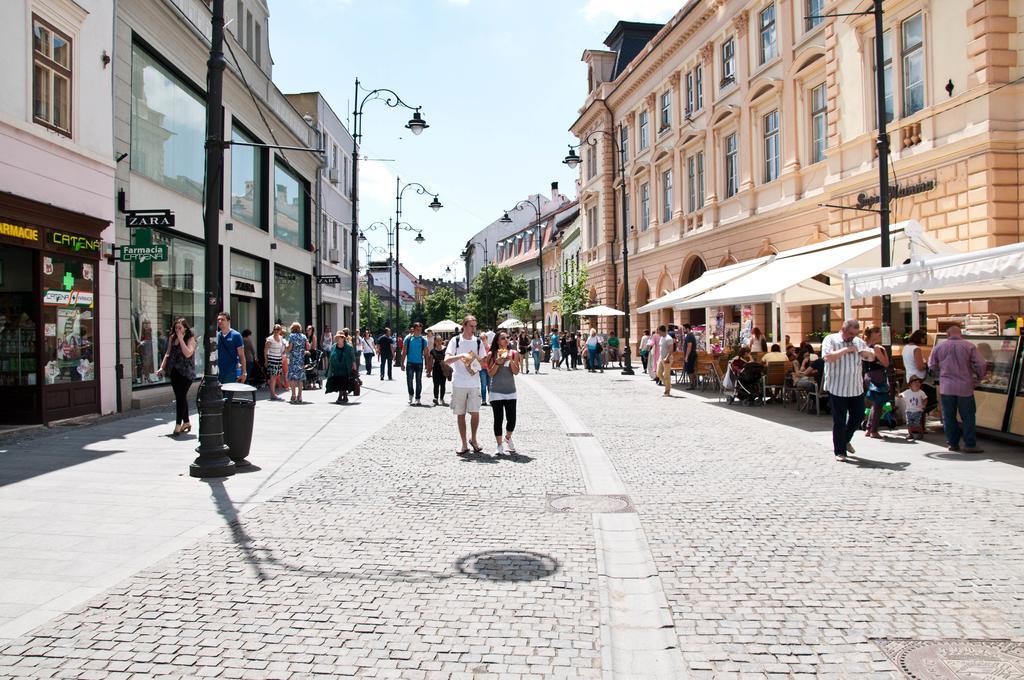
(376, 182)
(632, 10)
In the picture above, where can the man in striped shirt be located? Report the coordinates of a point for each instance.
(844, 382)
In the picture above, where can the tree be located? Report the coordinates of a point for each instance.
(522, 310)
(575, 295)
(492, 291)
(442, 304)
(418, 313)
(373, 314)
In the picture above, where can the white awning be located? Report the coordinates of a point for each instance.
(710, 279)
(991, 272)
(600, 310)
(444, 326)
(789, 277)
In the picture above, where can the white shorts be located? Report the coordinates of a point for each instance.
(465, 400)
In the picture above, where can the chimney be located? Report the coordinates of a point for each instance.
(554, 191)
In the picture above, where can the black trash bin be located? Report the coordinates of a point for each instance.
(239, 415)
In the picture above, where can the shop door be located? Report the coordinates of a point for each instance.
(19, 336)
(243, 314)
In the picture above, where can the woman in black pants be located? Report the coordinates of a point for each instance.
(179, 364)
(437, 370)
(502, 365)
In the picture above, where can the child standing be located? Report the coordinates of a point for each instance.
(914, 401)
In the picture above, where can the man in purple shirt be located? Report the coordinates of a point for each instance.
(959, 365)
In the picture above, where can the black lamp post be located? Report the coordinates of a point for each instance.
(572, 160)
(416, 124)
(434, 205)
(370, 250)
(213, 460)
(505, 219)
(392, 230)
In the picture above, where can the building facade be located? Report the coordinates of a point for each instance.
(334, 195)
(740, 122)
(57, 300)
(267, 206)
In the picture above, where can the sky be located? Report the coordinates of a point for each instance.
(499, 83)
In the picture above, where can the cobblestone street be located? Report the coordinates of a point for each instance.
(398, 558)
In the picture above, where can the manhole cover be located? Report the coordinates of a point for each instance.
(957, 659)
(507, 565)
(589, 503)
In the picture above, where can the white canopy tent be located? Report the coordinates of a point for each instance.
(600, 310)
(994, 272)
(444, 326)
(789, 278)
(511, 322)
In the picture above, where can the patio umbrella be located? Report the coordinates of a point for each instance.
(600, 310)
(511, 322)
(444, 326)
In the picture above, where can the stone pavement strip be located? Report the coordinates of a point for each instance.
(761, 556)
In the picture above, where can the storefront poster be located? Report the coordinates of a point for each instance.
(48, 266)
(732, 335)
(50, 330)
(87, 272)
(746, 323)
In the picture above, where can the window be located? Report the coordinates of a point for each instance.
(168, 127)
(913, 64)
(771, 146)
(666, 110)
(818, 123)
(820, 318)
(698, 80)
(248, 32)
(623, 144)
(626, 208)
(239, 25)
(645, 206)
(291, 291)
(644, 132)
(732, 166)
(591, 161)
(334, 236)
(289, 207)
(666, 196)
(814, 8)
(695, 180)
(728, 61)
(887, 76)
(344, 178)
(173, 290)
(334, 158)
(592, 226)
(69, 347)
(769, 46)
(51, 77)
(256, 43)
(246, 180)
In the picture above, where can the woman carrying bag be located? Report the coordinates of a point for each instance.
(180, 366)
(437, 370)
(502, 364)
(343, 369)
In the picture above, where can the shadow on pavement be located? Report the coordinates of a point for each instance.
(1009, 458)
(21, 462)
(226, 509)
(471, 457)
(515, 458)
(868, 463)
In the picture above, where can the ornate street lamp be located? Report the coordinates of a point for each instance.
(505, 219)
(434, 205)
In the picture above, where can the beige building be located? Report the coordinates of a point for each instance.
(738, 118)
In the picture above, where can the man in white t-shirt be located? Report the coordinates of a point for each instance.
(465, 354)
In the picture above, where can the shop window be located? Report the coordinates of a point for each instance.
(51, 77)
(291, 291)
(168, 127)
(246, 180)
(172, 290)
(289, 207)
(821, 322)
(69, 324)
(18, 325)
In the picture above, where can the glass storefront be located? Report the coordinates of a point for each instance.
(69, 320)
(173, 289)
(291, 295)
(17, 326)
(289, 207)
(246, 179)
(248, 302)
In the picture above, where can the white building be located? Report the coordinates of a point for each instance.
(57, 303)
(267, 216)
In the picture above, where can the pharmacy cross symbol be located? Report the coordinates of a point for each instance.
(69, 281)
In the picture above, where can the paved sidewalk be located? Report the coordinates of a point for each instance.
(83, 507)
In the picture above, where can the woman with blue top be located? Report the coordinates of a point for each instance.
(297, 344)
(536, 348)
(502, 364)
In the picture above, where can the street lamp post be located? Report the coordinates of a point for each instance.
(416, 124)
(370, 250)
(505, 219)
(434, 205)
(392, 230)
(573, 160)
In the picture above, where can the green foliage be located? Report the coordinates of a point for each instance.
(492, 291)
(522, 310)
(418, 313)
(372, 314)
(575, 295)
(442, 304)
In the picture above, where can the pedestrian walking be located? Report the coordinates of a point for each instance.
(296, 352)
(665, 346)
(876, 382)
(524, 349)
(503, 364)
(385, 352)
(464, 354)
(368, 347)
(250, 350)
(311, 341)
(536, 349)
(230, 351)
(437, 370)
(959, 365)
(342, 369)
(179, 365)
(415, 349)
(645, 348)
(690, 355)
(556, 350)
(485, 379)
(574, 345)
(844, 383)
(274, 349)
(593, 343)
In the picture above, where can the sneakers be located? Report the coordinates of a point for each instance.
(418, 403)
(410, 400)
(499, 451)
(973, 449)
(849, 448)
(435, 401)
(509, 446)
(953, 447)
